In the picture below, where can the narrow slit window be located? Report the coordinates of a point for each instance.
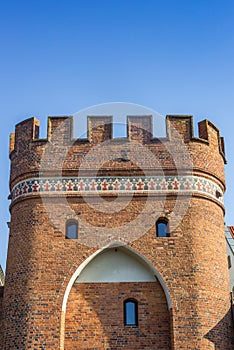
(72, 229)
(229, 262)
(162, 228)
(130, 313)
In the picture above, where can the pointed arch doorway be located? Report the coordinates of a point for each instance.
(96, 310)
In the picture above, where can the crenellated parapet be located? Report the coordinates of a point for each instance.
(139, 128)
(140, 154)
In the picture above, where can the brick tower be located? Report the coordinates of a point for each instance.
(117, 243)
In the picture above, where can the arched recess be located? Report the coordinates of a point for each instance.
(132, 267)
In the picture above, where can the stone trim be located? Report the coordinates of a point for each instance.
(180, 185)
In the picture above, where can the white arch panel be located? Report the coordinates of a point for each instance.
(116, 265)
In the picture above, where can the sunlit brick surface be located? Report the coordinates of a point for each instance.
(41, 262)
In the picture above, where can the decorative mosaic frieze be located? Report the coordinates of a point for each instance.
(147, 184)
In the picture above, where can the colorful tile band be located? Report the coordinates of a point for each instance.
(139, 184)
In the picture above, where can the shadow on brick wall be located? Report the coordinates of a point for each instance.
(1, 299)
(223, 330)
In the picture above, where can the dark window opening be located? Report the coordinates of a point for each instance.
(130, 313)
(162, 228)
(229, 262)
(72, 229)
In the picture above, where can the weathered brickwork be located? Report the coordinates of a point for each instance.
(1, 300)
(103, 304)
(189, 305)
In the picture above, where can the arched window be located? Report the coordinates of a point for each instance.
(162, 228)
(130, 312)
(72, 229)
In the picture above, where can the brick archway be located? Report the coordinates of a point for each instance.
(93, 315)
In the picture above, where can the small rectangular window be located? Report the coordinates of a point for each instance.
(130, 313)
(72, 229)
(162, 228)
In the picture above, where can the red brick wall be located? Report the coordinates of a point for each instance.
(193, 264)
(41, 261)
(95, 319)
(1, 309)
(206, 155)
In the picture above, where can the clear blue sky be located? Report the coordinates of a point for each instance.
(59, 56)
